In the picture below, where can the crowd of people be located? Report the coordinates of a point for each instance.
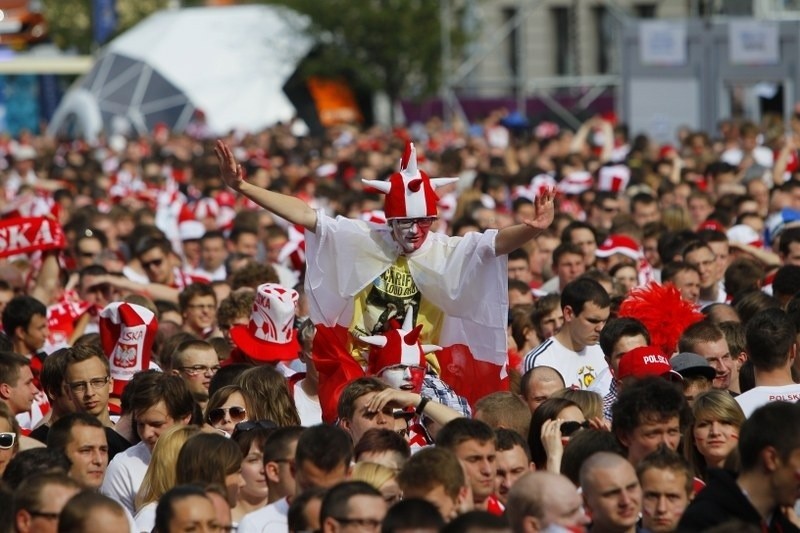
(426, 329)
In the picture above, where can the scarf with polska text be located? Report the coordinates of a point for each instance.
(22, 235)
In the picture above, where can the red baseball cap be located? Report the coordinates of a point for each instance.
(646, 361)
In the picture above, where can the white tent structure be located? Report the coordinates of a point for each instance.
(229, 62)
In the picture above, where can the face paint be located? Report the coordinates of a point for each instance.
(404, 377)
(410, 233)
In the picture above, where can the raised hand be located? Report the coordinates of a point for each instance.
(545, 210)
(230, 170)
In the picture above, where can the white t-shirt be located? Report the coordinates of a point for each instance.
(754, 398)
(585, 370)
(271, 519)
(146, 517)
(308, 407)
(125, 474)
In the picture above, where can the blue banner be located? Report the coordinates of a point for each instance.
(104, 19)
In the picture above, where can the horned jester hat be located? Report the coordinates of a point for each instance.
(410, 192)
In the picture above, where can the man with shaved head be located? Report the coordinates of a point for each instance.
(611, 493)
(542, 499)
(538, 384)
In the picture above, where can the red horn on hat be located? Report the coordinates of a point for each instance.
(413, 336)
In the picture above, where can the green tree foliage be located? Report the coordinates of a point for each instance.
(389, 45)
(71, 20)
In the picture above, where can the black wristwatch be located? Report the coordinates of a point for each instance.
(421, 407)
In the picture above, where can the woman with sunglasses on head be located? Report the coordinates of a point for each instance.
(251, 436)
(226, 408)
(9, 436)
(552, 424)
(714, 433)
(160, 475)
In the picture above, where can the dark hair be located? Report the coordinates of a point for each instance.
(227, 375)
(430, 467)
(785, 283)
(77, 511)
(28, 463)
(165, 510)
(145, 244)
(207, 458)
(582, 445)
(788, 236)
(665, 459)
(297, 509)
(699, 333)
(28, 494)
(776, 424)
(382, 440)
(652, 398)
(193, 291)
(335, 503)
(152, 387)
(578, 293)
(52, 375)
(412, 514)
(60, 433)
(673, 268)
(616, 328)
(519, 253)
(479, 520)
(326, 447)
(770, 336)
(743, 275)
(10, 365)
(461, 430)
(563, 249)
(19, 311)
(548, 410)
(355, 390)
(279, 443)
(642, 198)
(506, 439)
(748, 304)
(566, 233)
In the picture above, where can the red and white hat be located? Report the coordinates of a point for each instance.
(744, 234)
(619, 244)
(410, 193)
(398, 347)
(575, 183)
(270, 335)
(646, 361)
(613, 178)
(127, 332)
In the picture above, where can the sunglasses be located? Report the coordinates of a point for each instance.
(249, 425)
(237, 414)
(7, 440)
(154, 263)
(406, 223)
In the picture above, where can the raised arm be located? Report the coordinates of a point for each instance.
(510, 238)
(292, 209)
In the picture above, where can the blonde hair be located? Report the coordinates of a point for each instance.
(373, 474)
(717, 405)
(590, 403)
(160, 475)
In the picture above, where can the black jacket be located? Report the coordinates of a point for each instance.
(723, 501)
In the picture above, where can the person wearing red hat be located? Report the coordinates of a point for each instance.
(455, 287)
(618, 249)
